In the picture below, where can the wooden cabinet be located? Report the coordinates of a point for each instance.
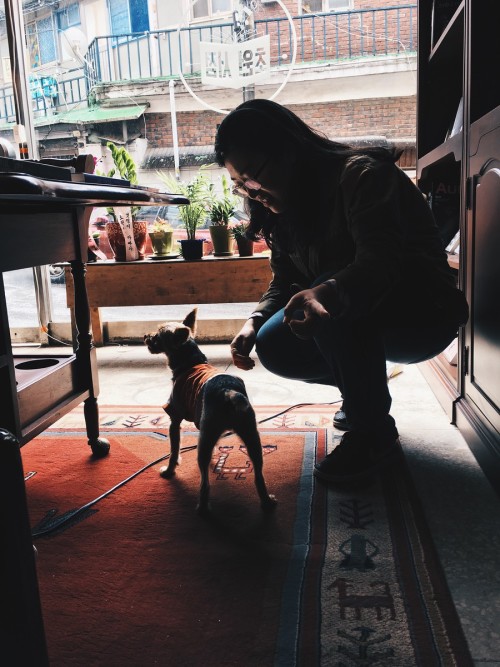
(458, 167)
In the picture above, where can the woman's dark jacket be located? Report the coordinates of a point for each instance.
(381, 246)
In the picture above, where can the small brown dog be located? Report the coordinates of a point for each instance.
(214, 401)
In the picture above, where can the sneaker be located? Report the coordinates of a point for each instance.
(340, 421)
(356, 457)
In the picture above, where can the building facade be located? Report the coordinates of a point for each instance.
(124, 70)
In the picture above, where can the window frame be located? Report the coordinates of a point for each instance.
(349, 5)
(211, 14)
(70, 22)
(32, 31)
(131, 18)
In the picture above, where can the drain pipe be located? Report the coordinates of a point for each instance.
(173, 116)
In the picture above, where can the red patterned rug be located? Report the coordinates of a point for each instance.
(137, 578)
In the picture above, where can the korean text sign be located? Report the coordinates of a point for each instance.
(235, 65)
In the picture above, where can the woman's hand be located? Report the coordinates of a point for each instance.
(242, 344)
(313, 303)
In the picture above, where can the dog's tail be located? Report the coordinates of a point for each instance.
(237, 400)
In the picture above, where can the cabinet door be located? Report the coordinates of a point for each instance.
(482, 384)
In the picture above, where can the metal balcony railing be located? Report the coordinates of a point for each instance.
(63, 95)
(322, 39)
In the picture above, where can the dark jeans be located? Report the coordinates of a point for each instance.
(352, 354)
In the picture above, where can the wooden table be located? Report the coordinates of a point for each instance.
(169, 282)
(42, 222)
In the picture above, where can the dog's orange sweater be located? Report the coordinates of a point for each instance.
(185, 392)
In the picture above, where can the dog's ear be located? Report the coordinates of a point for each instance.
(181, 335)
(190, 321)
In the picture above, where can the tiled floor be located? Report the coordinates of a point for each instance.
(462, 508)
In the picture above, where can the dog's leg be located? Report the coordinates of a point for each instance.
(206, 443)
(250, 435)
(175, 441)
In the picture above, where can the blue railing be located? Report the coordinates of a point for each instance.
(322, 39)
(66, 94)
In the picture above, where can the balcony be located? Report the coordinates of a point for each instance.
(323, 40)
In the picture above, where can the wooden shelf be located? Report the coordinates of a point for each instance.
(451, 148)
(456, 65)
(167, 282)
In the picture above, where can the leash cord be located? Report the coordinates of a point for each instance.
(58, 523)
(69, 516)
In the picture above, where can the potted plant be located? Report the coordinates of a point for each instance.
(193, 215)
(93, 246)
(161, 234)
(221, 209)
(245, 245)
(127, 236)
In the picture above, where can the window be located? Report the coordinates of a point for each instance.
(128, 16)
(312, 6)
(41, 42)
(68, 17)
(208, 8)
(334, 5)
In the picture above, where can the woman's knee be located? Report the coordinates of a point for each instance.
(272, 349)
(282, 353)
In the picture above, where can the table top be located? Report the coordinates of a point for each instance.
(30, 190)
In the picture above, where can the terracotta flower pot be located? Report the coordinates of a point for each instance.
(222, 240)
(245, 246)
(117, 240)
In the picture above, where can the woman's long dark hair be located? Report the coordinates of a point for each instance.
(263, 126)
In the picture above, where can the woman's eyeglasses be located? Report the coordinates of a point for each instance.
(250, 186)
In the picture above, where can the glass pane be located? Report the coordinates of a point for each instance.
(139, 16)
(60, 310)
(21, 299)
(119, 15)
(310, 6)
(69, 16)
(46, 41)
(33, 48)
(339, 4)
(200, 9)
(221, 6)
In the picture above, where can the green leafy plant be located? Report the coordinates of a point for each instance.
(239, 230)
(199, 193)
(222, 207)
(124, 163)
(126, 167)
(161, 225)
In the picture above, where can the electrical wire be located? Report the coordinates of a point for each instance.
(57, 524)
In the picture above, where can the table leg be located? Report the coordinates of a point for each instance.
(85, 354)
(22, 635)
(97, 330)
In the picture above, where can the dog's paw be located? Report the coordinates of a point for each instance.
(269, 503)
(167, 472)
